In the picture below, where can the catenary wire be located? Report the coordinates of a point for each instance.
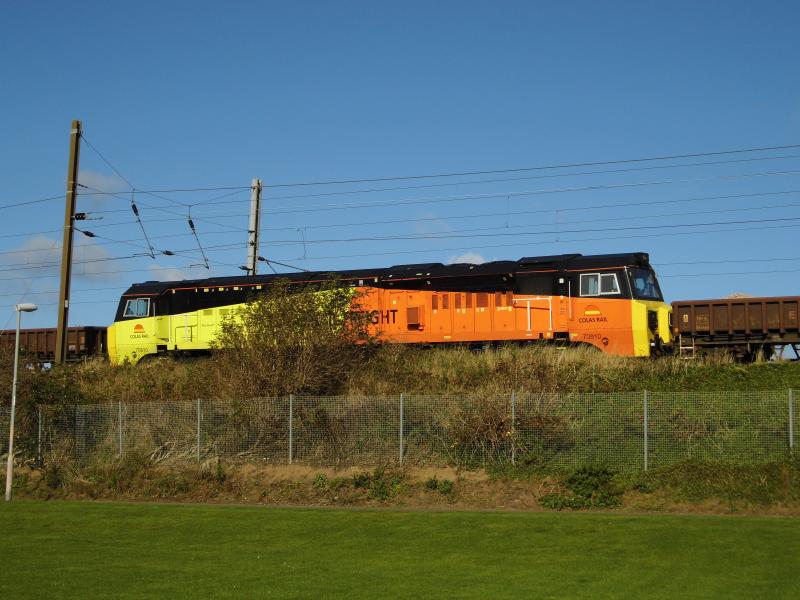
(528, 178)
(475, 215)
(494, 228)
(536, 168)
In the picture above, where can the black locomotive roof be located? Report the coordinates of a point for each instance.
(387, 275)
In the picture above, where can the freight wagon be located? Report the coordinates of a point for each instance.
(747, 328)
(40, 344)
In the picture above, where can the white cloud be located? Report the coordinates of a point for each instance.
(469, 257)
(102, 182)
(40, 256)
(90, 200)
(159, 273)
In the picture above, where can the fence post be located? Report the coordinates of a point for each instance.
(199, 440)
(791, 419)
(646, 394)
(75, 435)
(513, 428)
(119, 426)
(39, 438)
(401, 429)
(291, 429)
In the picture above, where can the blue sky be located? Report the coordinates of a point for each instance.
(201, 95)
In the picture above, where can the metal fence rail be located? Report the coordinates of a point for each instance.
(625, 431)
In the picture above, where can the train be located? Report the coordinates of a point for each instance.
(39, 344)
(612, 302)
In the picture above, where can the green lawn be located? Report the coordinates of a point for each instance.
(88, 550)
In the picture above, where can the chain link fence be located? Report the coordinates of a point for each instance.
(5, 417)
(624, 431)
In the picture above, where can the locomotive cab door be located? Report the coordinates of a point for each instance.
(561, 286)
(162, 329)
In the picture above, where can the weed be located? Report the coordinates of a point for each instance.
(53, 476)
(590, 487)
(219, 474)
(361, 480)
(320, 481)
(446, 487)
(380, 484)
(432, 484)
(337, 483)
(171, 484)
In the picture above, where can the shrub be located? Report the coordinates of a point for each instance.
(380, 485)
(432, 484)
(219, 474)
(53, 476)
(291, 339)
(590, 487)
(320, 481)
(446, 487)
(361, 480)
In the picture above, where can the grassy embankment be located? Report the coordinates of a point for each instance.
(70, 550)
(394, 369)
(735, 432)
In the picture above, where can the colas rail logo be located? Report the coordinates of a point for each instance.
(138, 331)
(592, 314)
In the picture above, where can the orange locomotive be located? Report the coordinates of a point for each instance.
(610, 301)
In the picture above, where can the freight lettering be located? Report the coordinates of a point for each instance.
(384, 317)
(592, 319)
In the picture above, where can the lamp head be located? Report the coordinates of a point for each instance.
(25, 307)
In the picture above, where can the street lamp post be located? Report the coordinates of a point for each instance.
(20, 308)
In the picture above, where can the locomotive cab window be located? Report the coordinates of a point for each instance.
(644, 284)
(138, 307)
(599, 284)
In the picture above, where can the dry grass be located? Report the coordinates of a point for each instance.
(394, 369)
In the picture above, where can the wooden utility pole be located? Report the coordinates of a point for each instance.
(66, 245)
(253, 229)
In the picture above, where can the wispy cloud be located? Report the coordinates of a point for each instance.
(98, 182)
(178, 274)
(40, 256)
(468, 257)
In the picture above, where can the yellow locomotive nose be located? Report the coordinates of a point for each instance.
(111, 342)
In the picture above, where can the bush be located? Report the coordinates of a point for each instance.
(290, 339)
(446, 487)
(380, 485)
(590, 487)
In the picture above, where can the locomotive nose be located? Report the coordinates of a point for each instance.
(112, 344)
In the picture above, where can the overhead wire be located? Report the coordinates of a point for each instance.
(197, 239)
(513, 194)
(536, 168)
(29, 202)
(239, 189)
(517, 244)
(480, 215)
(529, 178)
(438, 236)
